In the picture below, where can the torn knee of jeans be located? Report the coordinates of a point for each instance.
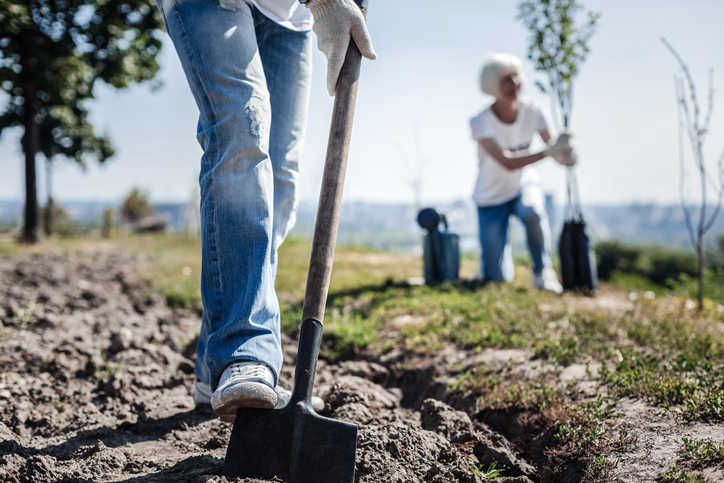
(229, 4)
(258, 112)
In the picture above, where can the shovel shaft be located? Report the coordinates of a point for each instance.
(330, 198)
(310, 338)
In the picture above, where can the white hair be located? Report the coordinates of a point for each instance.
(497, 67)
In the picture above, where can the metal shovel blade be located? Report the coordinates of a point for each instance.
(294, 443)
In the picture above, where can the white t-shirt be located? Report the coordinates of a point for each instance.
(497, 184)
(287, 13)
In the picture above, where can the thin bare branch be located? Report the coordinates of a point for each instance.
(403, 156)
(720, 198)
(682, 165)
(690, 82)
(691, 131)
(710, 106)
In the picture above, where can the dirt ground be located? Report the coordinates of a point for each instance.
(96, 378)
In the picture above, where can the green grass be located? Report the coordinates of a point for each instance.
(653, 348)
(585, 421)
(108, 371)
(694, 454)
(492, 473)
(633, 282)
(702, 452)
(678, 474)
(59, 406)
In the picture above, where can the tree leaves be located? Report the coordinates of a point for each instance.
(52, 52)
(557, 45)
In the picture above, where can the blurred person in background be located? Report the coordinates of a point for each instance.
(248, 64)
(507, 184)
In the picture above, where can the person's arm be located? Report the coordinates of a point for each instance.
(545, 135)
(511, 161)
(506, 158)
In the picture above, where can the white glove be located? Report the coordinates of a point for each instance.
(567, 159)
(563, 146)
(334, 22)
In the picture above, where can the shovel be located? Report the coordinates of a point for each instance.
(295, 443)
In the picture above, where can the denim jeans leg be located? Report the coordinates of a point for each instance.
(287, 59)
(217, 46)
(496, 258)
(530, 210)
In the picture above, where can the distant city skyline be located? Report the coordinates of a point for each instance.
(416, 100)
(394, 227)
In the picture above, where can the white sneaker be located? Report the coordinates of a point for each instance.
(548, 280)
(285, 395)
(243, 385)
(202, 396)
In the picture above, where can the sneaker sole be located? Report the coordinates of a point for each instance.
(254, 395)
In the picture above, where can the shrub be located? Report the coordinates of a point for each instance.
(136, 206)
(614, 255)
(660, 265)
(668, 264)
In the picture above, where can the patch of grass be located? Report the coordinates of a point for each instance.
(26, 315)
(492, 473)
(346, 336)
(632, 282)
(708, 406)
(426, 319)
(670, 380)
(625, 440)
(599, 468)
(8, 247)
(586, 421)
(107, 371)
(579, 425)
(59, 406)
(702, 452)
(181, 294)
(678, 474)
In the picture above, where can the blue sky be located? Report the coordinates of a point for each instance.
(416, 100)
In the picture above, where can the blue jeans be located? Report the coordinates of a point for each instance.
(497, 255)
(251, 79)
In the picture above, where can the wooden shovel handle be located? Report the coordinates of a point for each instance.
(330, 198)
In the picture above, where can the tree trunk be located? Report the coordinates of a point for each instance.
(702, 268)
(48, 216)
(50, 204)
(30, 147)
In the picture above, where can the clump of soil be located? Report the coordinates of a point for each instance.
(96, 374)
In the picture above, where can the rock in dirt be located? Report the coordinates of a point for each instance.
(349, 389)
(505, 458)
(121, 340)
(439, 417)
(371, 371)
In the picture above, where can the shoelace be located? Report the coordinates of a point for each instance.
(252, 371)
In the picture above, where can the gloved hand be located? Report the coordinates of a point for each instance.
(334, 22)
(562, 146)
(567, 158)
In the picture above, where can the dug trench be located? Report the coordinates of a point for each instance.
(96, 375)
